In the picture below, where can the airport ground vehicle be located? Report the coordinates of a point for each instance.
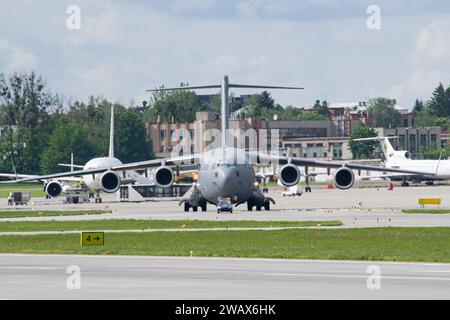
(21, 198)
(224, 205)
(292, 191)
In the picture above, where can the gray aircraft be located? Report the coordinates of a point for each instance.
(223, 181)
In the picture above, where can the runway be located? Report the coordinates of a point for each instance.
(357, 207)
(112, 277)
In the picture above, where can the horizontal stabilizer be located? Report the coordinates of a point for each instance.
(71, 165)
(374, 139)
(218, 86)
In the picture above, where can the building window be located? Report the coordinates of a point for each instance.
(162, 135)
(412, 143)
(401, 142)
(433, 140)
(337, 151)
(423, 140)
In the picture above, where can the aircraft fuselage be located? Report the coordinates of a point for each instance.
(226, 178)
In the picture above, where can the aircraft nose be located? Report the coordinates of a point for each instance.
(233, 180)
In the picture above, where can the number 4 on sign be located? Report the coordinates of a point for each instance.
(92, 239)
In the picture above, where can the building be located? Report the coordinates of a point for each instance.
(311, 138)
(335, 148)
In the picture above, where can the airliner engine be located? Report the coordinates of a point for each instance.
(289, 175)
(344, 178)
(110, 181)
(53, 188)
(164, 177)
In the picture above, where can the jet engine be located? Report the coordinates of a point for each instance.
(344, 178)
(289, 175)
(53, 188)
(110, 181)
(164, 177)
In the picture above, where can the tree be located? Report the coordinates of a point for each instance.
(426, 118)
(363, 149)
(131, 138)
(418, 106)
(439, 103)
(312, 116)
(321, 109)
(177, 106)
(25, 107)
(68, 137)
(383, 112)
(25, 100)
(436, 153)
(265, 100)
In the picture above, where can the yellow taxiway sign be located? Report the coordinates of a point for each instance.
(92, 239)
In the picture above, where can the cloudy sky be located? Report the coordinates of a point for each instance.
(124, 47)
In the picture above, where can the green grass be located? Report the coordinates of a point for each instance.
(25, 226)
(37, 213)
(21, 185)
(426, 211)
(390, 244)
(37, 190)
(35, 193)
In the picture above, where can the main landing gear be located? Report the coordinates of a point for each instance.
(202, 206)
(98, 199)
(258, 207)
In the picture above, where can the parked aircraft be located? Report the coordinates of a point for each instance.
(55, 185)
(221, 177)
(433, 170)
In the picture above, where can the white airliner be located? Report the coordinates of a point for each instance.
(108, 182)
(437, 169)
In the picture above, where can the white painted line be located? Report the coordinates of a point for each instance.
(31, 268)
(348, 276)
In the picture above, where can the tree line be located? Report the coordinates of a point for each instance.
(434, 112)
(40, 129)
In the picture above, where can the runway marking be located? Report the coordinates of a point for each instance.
(354, 276)
(231, 259)
(35, 233)
(31, 268)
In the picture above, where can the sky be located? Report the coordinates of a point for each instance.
(123, 47)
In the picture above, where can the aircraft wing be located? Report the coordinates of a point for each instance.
(20, 176)
(398, 176)
(70, 165)
(334, 164)
(123, 167)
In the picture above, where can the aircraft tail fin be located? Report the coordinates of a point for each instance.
(225, 86)
(111, 134)
(386, 145)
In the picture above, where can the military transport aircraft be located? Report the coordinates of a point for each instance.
(221, 179)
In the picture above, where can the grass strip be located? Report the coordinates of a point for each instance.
(388, 244)
(113, 224)
(426, 211)
(42, 213)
